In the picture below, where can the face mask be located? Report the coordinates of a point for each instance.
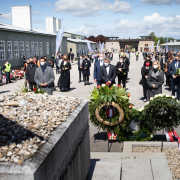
(155, 66)
(175, 60)
(42, 63)
(120, 61)
(147, 64)
(31, 62)
(85, 58)
(101, 58)
(80, 57)
(106, 64)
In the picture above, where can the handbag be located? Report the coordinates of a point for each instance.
(140, 82)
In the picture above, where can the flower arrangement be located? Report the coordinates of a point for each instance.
(178, 72)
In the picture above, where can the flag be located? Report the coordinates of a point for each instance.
(59, 38)
(152, 46)
(100, 46)
(89, 46)
(167, 45)
(157, 45)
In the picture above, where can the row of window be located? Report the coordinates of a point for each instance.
(21, 49)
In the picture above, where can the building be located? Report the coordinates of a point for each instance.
(115, 44)
(78, 45)
(20, 39)
(172, 46)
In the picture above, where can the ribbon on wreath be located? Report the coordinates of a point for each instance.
(169, 136)
(110, 112)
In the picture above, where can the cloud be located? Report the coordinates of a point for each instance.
(91, 25)
(37, 21)
(46, 4)
(160, 2)
(6, 16)
(84, 8)
(36, 13)
(162, 26)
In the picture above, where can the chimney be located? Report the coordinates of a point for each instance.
(58, 25)
(22, 17)
(51, 24)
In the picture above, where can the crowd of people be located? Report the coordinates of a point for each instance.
(156, 67)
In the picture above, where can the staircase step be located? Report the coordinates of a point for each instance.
(107, 170)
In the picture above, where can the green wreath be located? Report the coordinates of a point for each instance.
(115, 95)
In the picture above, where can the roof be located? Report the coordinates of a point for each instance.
(147, 35)
(9, 27)
(171, 44)
(73, 33)
(80, 41)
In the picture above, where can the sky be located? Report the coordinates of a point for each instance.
(119, 18)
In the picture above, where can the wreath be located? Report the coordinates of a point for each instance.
(162, 109)
(117, 99)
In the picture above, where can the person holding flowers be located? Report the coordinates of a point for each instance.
(86, 70)
(155, 80)
(175, 76)
(64, 81)
(121, 72)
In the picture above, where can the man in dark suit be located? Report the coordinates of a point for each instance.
(97, 66)
(108, 73)
(86, 70)
(80, 62)
(175, 80)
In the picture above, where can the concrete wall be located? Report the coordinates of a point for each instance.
(66, 154)
(110, 46)
(142, 46)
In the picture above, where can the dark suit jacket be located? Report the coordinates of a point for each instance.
(79, 63)
(97, 70)
(86, 72)
(30, 72)
(112, 74)
(172, 70)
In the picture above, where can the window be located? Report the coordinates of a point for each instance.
(32, 49)
(146, 45)
(9, 48)
(2, 50)
(47, 48)
(16, 49)
(40, 49)
(27, 49)
(22, 49)
(36, 49)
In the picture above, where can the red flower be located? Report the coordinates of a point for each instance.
(129, 95)
(98, 86)
(107, 84)
(110, 88)
(119, 86)
(130, 106)
(34, 89)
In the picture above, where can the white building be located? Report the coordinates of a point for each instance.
(172, 46)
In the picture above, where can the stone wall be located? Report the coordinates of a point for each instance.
(110, 46)
(66, 154)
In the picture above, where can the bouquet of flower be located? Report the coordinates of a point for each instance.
(178, 72)
(86, 66)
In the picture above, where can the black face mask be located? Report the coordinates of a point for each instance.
(31, 63)
(85, 58)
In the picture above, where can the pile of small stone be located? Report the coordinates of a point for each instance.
(172, 156)
(27, 120)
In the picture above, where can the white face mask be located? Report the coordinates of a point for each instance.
(101, 58)
(80, 57)
(120, 61)
(106, 64)
(42, 63)
(155, 66)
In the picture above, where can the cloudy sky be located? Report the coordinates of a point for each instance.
(124, 19)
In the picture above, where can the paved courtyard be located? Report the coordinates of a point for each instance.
(79, 90)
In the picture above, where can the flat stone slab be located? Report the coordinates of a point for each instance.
(107, 170)
(160, 169)
(136, 169)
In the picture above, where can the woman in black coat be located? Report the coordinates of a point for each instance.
(121, 72)
(144, 72)
(64, 81)
(86, 70)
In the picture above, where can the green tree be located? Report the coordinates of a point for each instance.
(154, 38)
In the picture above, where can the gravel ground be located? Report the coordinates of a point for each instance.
(172, 156)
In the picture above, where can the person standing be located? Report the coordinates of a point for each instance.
(53, 60)
(155, 80)
(144, 72)
(64, 80)
(167, 64)
(175, 80)
(30, 72)
(57, 64)
(97, 66)
(108, 73)
(24, 59)
(7, 70)
(44, 76)
(121, 72)
(80, 62)
(72, 57)
(137, 55)
(86, 70)
(125, 59)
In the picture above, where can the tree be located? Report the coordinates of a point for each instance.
(154, 38)
(100, 38)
